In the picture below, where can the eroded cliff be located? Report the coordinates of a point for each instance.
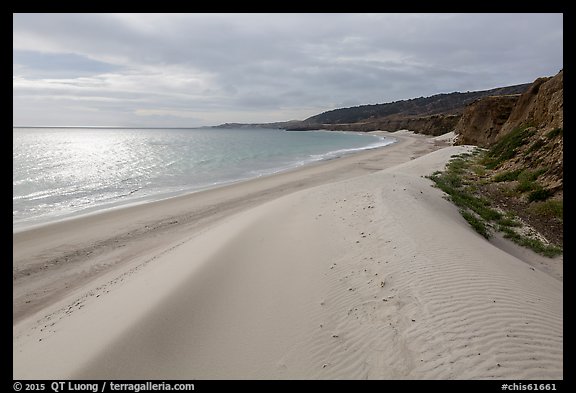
(482, 120)
(531, 135)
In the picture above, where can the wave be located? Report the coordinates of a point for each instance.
(384, 141)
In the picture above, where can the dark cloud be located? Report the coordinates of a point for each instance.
(194, 69)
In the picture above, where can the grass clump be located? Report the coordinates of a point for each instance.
(479, 170)
(554, 133)
(506, 148)
(537, 145)
(508, 222)
(526, 185)
(527, 181)
(460, 185)
(549, 209)
(457, 165)
(540, 194)
(535, 245)
(476, 223)
(507, 176)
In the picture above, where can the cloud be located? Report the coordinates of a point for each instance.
(166, 112)
(36, 65)
(202, 69)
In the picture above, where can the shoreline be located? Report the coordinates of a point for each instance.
(33, 223)
(355, 268)
(44, 254)
(47, 219)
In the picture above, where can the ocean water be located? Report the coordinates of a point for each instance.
(61, 172)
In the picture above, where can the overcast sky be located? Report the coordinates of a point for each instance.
(188, 70)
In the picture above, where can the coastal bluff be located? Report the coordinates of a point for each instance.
(488, 119)
(534, 120)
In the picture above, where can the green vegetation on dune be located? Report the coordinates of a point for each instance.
(554, 133)
(466, 173)
(507, 147)
(527, 181)
(507, 176)
(478, 225)
(550, 209)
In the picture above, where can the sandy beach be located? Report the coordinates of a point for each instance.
(354, 268)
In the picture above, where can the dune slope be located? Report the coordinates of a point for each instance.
(374, 277)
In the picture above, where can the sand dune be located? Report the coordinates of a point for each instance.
(371, 277)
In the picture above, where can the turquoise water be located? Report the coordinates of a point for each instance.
(59, 172)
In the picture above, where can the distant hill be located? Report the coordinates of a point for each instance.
(448, 103)
(432, 115)
(276, 125)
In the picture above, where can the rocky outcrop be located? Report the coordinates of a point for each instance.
(482, 120)
(537, 115)
(488, 119)
(543, 152)
(541, 106)
(430, 125)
